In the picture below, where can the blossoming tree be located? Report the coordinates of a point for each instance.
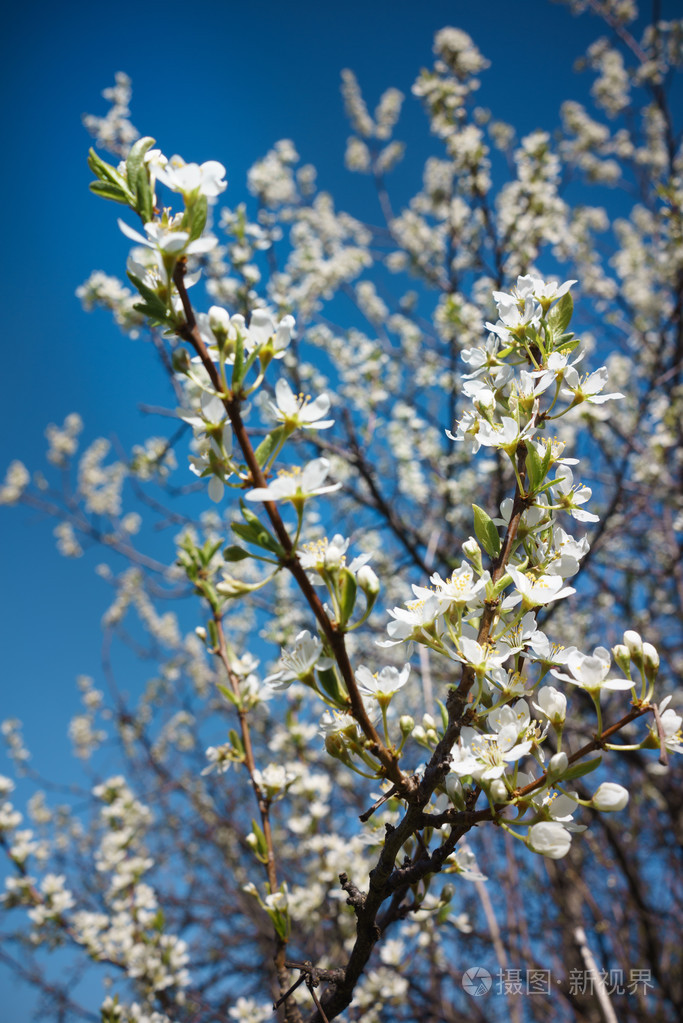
(395, 680)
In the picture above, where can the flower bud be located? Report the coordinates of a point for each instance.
(557, 765)
(333, 557)
(180, 360)
(368, 581)
(635, 647)
(454, 791)
(200, 633)
(472, 552)
(406, 724)
(622, 656)
(610, 797)
(650, 661)
(498, 791)
(553, 704)
(447, 893)
(219, 321)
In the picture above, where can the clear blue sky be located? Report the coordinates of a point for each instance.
(213, 79)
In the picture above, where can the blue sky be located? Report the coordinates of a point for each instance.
(214, 79)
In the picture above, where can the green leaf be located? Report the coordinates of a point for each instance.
(486, 532)
(238, 367)
(327, 677)
(109, 191)
(578, 770)
(104, 171)
(347, 595)
(534, 466)
(152, 313)
(268, 445)
(145, 196)
(228, 694)
(152, 300)
(258, 535)
(235, 553)
(560, 315)
(135, 162)
(194, 220)
(444, 714)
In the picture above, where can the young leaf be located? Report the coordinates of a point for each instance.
(560, 315)
(486, 532)
(135, 162)
(268, 445)
(578, 770)
(109, 191)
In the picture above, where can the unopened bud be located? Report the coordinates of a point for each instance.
(622, 656)
(200, 632)
(610, 797)
(406, 724)
(557, 765)
(454, 790)
(635, 646)
(368, 581)
(498, 791)
(219, 321)
(472, 552)
(180, 360)
(650, 660)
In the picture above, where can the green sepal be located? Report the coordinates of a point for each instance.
(235, 553)
(108, 190)
(560, 315)
(578, 770)
(268, 445)
(486, 532)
